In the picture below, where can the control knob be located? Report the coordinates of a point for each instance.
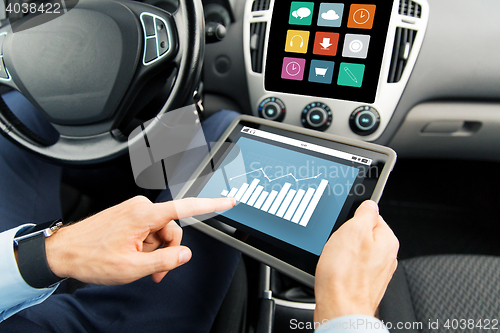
(365, 120)
(317, 116)
(272, 108)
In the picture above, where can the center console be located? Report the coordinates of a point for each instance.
(336, 67)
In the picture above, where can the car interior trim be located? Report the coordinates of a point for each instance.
(388, 94)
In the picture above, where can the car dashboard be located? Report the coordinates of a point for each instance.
(344, 117)
(435, 96)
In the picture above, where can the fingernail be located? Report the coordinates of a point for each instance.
(184, 256)
(232, 201)
(372, 204)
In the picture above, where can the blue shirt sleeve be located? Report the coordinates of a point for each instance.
(15, 293)
(353, 324)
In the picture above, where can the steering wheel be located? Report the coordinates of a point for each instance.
(86, 69)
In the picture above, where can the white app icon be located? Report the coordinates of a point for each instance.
(293, 68)
(355, 46)
(320, 71)
(326, 44)
(330, 15)
(361, 16)
(301, 13)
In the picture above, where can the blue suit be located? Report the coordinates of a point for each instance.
(187, 299)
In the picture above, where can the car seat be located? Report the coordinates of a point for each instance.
(442, 291)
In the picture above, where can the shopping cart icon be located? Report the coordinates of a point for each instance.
(321, 71)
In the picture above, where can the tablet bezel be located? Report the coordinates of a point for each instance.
(207, 226)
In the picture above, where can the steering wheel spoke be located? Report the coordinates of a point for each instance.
(160, 42)
(5, 76)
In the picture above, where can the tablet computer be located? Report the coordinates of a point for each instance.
(293, 187)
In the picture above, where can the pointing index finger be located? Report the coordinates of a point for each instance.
(184, 208)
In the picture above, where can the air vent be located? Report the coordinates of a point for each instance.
(403, 44)
(257, 38)
(410, 8)
(260, 5)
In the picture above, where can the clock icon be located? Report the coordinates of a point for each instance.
(361, 16)
(293, 68)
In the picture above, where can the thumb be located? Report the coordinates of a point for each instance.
(367, 214)
(163, 259)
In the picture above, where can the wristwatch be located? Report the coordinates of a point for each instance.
(31, 256)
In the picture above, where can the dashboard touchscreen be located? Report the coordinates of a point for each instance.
(292, 190)
(327, 49)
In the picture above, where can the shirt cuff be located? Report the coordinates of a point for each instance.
(15, 293)
(352, 324)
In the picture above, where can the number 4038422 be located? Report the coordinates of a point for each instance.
(471, 324)
(33, 8)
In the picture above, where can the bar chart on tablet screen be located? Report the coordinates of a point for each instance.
(289, 200)
(285, 194)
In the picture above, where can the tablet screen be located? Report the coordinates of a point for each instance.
(292, 190)
(325, 49)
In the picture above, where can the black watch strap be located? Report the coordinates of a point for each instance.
(32, 262)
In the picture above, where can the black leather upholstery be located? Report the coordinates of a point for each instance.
(443, 288)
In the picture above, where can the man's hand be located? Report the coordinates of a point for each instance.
(122, 244)
(355, 266)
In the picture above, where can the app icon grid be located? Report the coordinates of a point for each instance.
(354, 45)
